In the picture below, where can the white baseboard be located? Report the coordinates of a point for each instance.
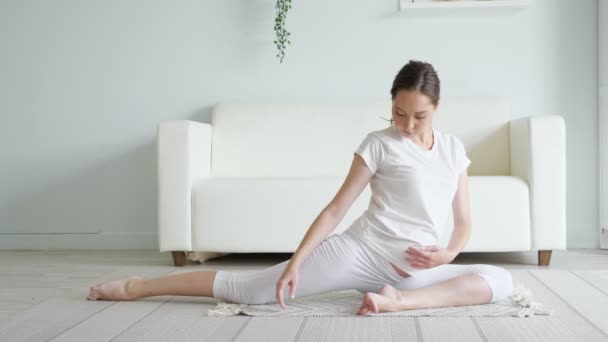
(79, 241)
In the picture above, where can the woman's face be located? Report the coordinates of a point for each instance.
(412, 112)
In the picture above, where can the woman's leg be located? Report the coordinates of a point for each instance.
(197, 283)
(443, 286)
(337, 263)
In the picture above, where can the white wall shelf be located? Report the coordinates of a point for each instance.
(408, 5)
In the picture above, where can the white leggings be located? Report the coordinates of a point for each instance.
(342, 262)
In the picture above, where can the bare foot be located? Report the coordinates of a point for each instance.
(116, 290)
(391, 292)
(388, 300)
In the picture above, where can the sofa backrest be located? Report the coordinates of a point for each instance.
(318, 139)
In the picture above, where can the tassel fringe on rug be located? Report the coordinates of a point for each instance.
(347, 303)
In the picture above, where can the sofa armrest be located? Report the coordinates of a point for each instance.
(538, 155)
(183, 158)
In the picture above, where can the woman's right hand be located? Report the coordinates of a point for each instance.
(289, 278)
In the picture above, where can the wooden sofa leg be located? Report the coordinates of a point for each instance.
(544, 257)
(179, 258)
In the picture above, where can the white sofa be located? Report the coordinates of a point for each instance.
(255, 178)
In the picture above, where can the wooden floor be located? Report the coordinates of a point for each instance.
(42, 298)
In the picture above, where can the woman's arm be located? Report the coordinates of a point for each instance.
(357, 179)
(462, 216)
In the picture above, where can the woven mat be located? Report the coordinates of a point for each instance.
(520, 303)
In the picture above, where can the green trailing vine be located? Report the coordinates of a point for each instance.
(279, 26)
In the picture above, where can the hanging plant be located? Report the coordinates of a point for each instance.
(279, 26)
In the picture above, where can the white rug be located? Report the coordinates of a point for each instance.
(346, 303)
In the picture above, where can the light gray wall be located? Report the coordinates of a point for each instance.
(603, 120)
(84, 85)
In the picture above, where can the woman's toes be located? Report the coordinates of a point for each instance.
(360, 311)
(93, 294)
(369, 304)
(363, 310)
(373, 303)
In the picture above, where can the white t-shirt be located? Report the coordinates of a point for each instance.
(412, 191)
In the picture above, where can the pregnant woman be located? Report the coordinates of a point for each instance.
(416, 174)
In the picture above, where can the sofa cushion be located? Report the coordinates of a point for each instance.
(263, 214)
(309, 139)
(273, 214)
(500, 210)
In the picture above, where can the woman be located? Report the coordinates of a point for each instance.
(415, 172)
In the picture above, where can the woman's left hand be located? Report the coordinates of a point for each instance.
(428, 256)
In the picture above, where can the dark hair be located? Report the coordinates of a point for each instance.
(417, 76)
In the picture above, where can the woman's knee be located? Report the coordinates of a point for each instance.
(242, 289)
(499, 280)
(259, 297)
